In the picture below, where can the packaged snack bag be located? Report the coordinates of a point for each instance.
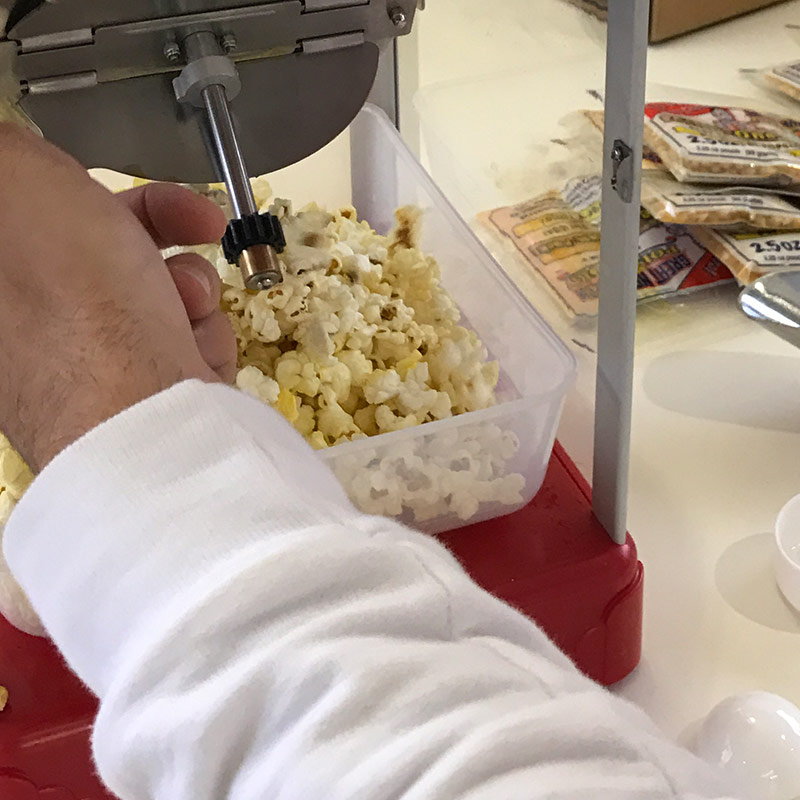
(708, 144)
(739, 207)
(558, 234)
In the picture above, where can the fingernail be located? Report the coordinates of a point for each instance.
(202, 278)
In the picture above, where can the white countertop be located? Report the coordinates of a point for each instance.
(716, 443)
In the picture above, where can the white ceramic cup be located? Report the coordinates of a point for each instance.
(787, 551)
(754, 740)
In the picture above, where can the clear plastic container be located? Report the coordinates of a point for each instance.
(446, 474)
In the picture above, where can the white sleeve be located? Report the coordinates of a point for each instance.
(252, 636)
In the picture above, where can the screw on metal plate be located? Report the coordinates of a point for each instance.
(172, 52)
(398, 17)
(229, 43)
(622, 175)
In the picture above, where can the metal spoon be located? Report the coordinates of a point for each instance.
(774, 303)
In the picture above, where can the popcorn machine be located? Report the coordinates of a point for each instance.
(194, 74)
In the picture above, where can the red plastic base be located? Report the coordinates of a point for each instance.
(552, 560)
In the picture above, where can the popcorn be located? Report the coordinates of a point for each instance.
(15, 477)
(382, 385)
(296, 372)
(253, 381)
(449, 476)
(359, 366)
(333, 421)
(7, 504)
(360, 314)
(317, 440)
(289, 405)
(306, 420)
(360, 340)
(12, 467)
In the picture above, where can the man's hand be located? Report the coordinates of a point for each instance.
(175, 216)
(91, 319)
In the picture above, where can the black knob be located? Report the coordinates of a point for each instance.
(252, 230)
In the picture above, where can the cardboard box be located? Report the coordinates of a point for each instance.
(670, 18)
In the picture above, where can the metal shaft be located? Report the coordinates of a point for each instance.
(259, 264)
(228, 151)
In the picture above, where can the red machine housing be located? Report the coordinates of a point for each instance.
(555, 562)
(552, 560)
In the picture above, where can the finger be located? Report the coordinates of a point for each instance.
(217, 344)
(174, 216)
(227, 372)
(198, 284)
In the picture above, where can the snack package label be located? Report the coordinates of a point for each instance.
(742, 208)
(717, 144)
(558, 234)
(671, 261)
(762, 251)
(762, 202)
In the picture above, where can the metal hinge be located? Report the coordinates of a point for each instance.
(64, 83)
(622, 174)
(55, 41)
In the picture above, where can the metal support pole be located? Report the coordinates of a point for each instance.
(626, 69)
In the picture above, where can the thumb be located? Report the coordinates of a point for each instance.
(198, 284)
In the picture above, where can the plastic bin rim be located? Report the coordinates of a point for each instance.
(455, 220)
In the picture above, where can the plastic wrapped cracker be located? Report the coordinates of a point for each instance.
(715, 144)
(558, 234)
(737, 207)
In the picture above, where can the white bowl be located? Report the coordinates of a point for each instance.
(754, 739)
(787, 551)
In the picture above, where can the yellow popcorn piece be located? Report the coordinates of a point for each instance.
(408, 363)
(365, 420)
(288, 405)
(317, 441)
(334, 422)
(3, 698)
(7, 505)
(15, 477)
(306, 420)
(287, 372)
